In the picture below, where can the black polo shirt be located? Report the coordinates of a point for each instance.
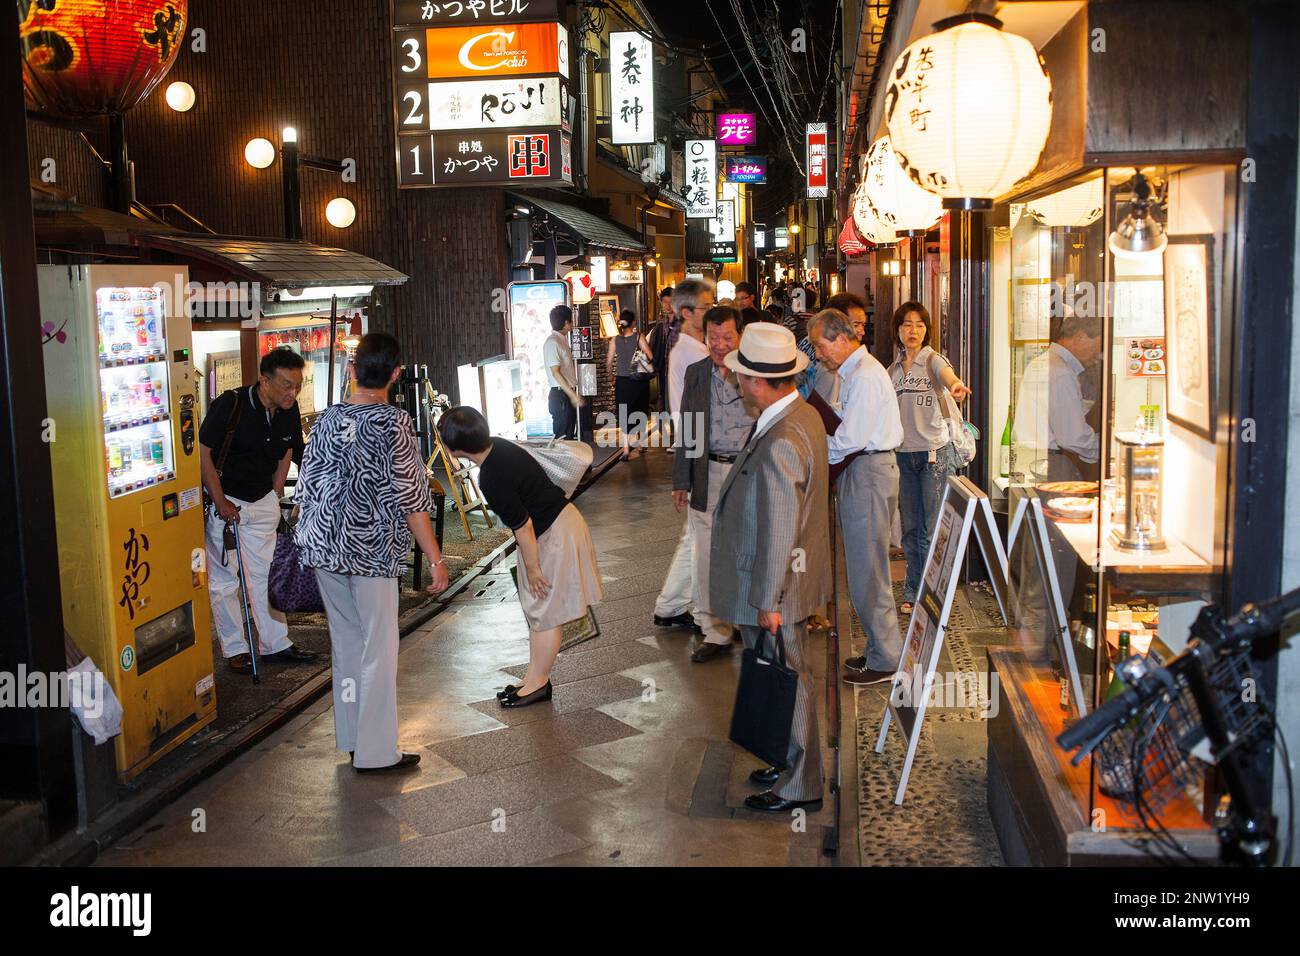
(262, 436)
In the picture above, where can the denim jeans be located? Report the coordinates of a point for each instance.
(920, 492)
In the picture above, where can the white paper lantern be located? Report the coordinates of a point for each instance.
(869, 227)
(581, 285)
(1077, 206)
(180, 96)
(968, 110)
(896, 201)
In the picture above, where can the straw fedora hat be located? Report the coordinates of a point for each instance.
(767, 350)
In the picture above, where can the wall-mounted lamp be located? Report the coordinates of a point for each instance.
(891, 268)
(794, 230)
(289, 135)
(340, 213)
(259, 153)
(180, 96)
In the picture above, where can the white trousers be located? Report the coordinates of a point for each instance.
(257, 523)
(716, 630)
(675, 596)
(362, 615)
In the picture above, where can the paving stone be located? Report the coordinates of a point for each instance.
(471, 800)
(580, 664)
(531, 741)
(579, 695)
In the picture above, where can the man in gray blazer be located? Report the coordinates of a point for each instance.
(717, 424)
(771, 562)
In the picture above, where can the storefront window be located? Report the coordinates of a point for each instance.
(1106, 345)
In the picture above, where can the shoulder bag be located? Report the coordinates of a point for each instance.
(961, 433)
(565, 461)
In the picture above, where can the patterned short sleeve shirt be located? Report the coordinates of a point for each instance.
(361, 475)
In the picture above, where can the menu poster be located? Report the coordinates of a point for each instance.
(964, 506)
(1144, 358)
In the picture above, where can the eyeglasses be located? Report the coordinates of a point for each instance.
(280, 383)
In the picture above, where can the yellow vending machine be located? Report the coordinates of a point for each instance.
(121, 390)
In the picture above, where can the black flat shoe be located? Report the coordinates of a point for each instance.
(769, 802)
(404, 762)
(536, 697)
(677, 620)
(503, 694)
(293, 654)
(765, 777)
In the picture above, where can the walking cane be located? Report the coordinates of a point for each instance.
(831, 841)
(233, 528)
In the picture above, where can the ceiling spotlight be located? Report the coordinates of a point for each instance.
(1140, 234)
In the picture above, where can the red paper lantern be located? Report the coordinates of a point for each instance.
(89, 57)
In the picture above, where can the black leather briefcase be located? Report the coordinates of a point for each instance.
(764, 712)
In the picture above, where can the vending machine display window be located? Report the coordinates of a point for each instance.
(134, 388)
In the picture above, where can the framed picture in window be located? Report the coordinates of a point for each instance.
(1189, 332)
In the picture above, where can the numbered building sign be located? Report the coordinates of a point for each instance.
(538, 157)
(482, 104)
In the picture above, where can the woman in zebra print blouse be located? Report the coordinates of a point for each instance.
(363, 492)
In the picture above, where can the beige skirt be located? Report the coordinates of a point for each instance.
(568, 561)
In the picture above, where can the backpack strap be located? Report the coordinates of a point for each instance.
(220, 462)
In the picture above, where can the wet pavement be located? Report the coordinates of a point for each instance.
(629, 764)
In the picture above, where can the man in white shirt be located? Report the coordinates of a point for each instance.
(691, 299)
(1055, 441)
(564, 400)
(867, 487)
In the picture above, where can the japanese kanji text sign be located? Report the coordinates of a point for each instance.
(701, 186)
(818, 159)
(631, 89)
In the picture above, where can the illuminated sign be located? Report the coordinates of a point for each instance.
(492, 158)
(736, 129)
(631, 89)
(818, 158)
(482, 104)
(781, 237)
(701, 187)
(722, 232)
(746, 169)
(483, 51)
(459, 13)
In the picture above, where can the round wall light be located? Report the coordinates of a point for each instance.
(180, 96)
(259, 153)
(340, 213)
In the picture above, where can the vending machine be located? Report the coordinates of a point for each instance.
(123, 424)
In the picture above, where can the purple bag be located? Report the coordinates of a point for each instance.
(293, 587)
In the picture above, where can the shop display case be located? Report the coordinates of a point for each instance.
(1104, 360)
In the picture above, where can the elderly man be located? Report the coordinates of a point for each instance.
(770, 562)
(711, 396)
(691, 299)
(869, 431)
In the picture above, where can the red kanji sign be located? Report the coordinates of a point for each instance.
(530, 156)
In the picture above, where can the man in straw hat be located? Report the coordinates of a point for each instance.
(770, 558)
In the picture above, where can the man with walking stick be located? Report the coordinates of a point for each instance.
(245, 445)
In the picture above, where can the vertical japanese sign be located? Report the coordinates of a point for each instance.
(631, 89)
(818, 159)
(722, 232)
(701, 187)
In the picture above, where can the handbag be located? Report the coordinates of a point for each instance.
(763, 717)
(642, 367)
(293, 588)
(961, 433)
(575, 632)
(565, 461)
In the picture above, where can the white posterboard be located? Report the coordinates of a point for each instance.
(1041, 547)
(964, 508)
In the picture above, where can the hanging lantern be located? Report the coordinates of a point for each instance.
(581, 285)
(850, 243)
(1076, 206)
(896, 201)
(968, 109)
(869, 227)
(91, 57)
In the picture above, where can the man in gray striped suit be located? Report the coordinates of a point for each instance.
(770, 557)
